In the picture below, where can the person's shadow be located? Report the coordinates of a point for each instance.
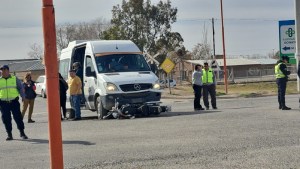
(43, 141)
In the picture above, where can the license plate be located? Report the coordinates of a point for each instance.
(137, 100)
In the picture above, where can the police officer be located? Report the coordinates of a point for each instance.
(281, 74)
(10, 89)
(209, 86)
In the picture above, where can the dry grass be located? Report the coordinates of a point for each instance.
(244, 90)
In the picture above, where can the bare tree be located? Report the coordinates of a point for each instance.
(36, 52)
(80, 31)
(202, 50)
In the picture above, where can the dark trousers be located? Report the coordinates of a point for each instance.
(197, 93)
(63, 100)
(11, 107)
(281, 83)
(211, 90)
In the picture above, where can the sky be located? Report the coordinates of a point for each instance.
(251, 26)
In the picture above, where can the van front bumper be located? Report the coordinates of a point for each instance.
(109, 101)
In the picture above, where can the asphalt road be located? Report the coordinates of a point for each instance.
(242, 133)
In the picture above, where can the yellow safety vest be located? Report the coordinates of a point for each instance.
(278, 72)
(8, 88)
(207, 76)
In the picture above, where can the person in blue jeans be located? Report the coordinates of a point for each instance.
(75, 85)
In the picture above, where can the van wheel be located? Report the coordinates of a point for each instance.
(101, 112)
(43, 93)
(70, 113)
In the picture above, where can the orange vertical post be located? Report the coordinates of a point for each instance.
(52, 84)
(224, 53)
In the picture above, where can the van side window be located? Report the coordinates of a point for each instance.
(64, 68)
(89, 67)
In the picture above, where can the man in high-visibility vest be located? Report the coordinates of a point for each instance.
(10, 89)
(209, 86)
(281, 74)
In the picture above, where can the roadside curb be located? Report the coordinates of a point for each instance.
(192, 97)
(230, 96)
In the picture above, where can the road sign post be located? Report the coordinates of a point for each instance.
(287, 39)
(168, 65)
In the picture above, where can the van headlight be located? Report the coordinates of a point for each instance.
(110, 87)
(156, 85)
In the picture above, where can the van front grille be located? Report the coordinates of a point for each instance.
(135, 87)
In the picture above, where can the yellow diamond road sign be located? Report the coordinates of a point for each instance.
(167, 65)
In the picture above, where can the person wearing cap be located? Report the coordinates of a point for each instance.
(281, 74)
(209, 86)
(10, 89)
(75, 85)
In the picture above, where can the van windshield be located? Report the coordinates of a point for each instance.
(121, 63)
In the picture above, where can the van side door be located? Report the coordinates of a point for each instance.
(90, 81)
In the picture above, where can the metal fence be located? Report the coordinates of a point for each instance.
(252, 75)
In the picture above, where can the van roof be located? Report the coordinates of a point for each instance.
(106, 46)
(114, 46)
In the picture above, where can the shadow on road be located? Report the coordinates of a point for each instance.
(167, 114)
(43, 141)
(171, 114)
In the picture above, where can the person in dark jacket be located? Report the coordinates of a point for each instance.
(281, 74)
(29, 90)
(63, 87)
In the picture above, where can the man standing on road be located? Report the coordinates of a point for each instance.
(75, 84)
(209, 86)
(281, 74)
(197, 86)
(10, 89)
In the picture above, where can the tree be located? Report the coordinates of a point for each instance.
(274, 55)
(149, 26)
(202, 50)
(80, 31)
(36, 52)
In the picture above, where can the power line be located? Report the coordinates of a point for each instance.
(231, 19)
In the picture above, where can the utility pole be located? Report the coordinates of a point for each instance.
(297, 27)
(54, 124)
(224, 53)
(213, 30)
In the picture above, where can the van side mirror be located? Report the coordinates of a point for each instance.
(153, 68)
(89, 72)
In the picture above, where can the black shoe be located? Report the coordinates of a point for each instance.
(207, 108)
(9, 137)
(286, 108)
(30, 121)
(76, 119)
(280, 107)
(215, 108)
(23, 135)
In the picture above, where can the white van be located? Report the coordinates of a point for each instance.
(116, 77)
(40, 85)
